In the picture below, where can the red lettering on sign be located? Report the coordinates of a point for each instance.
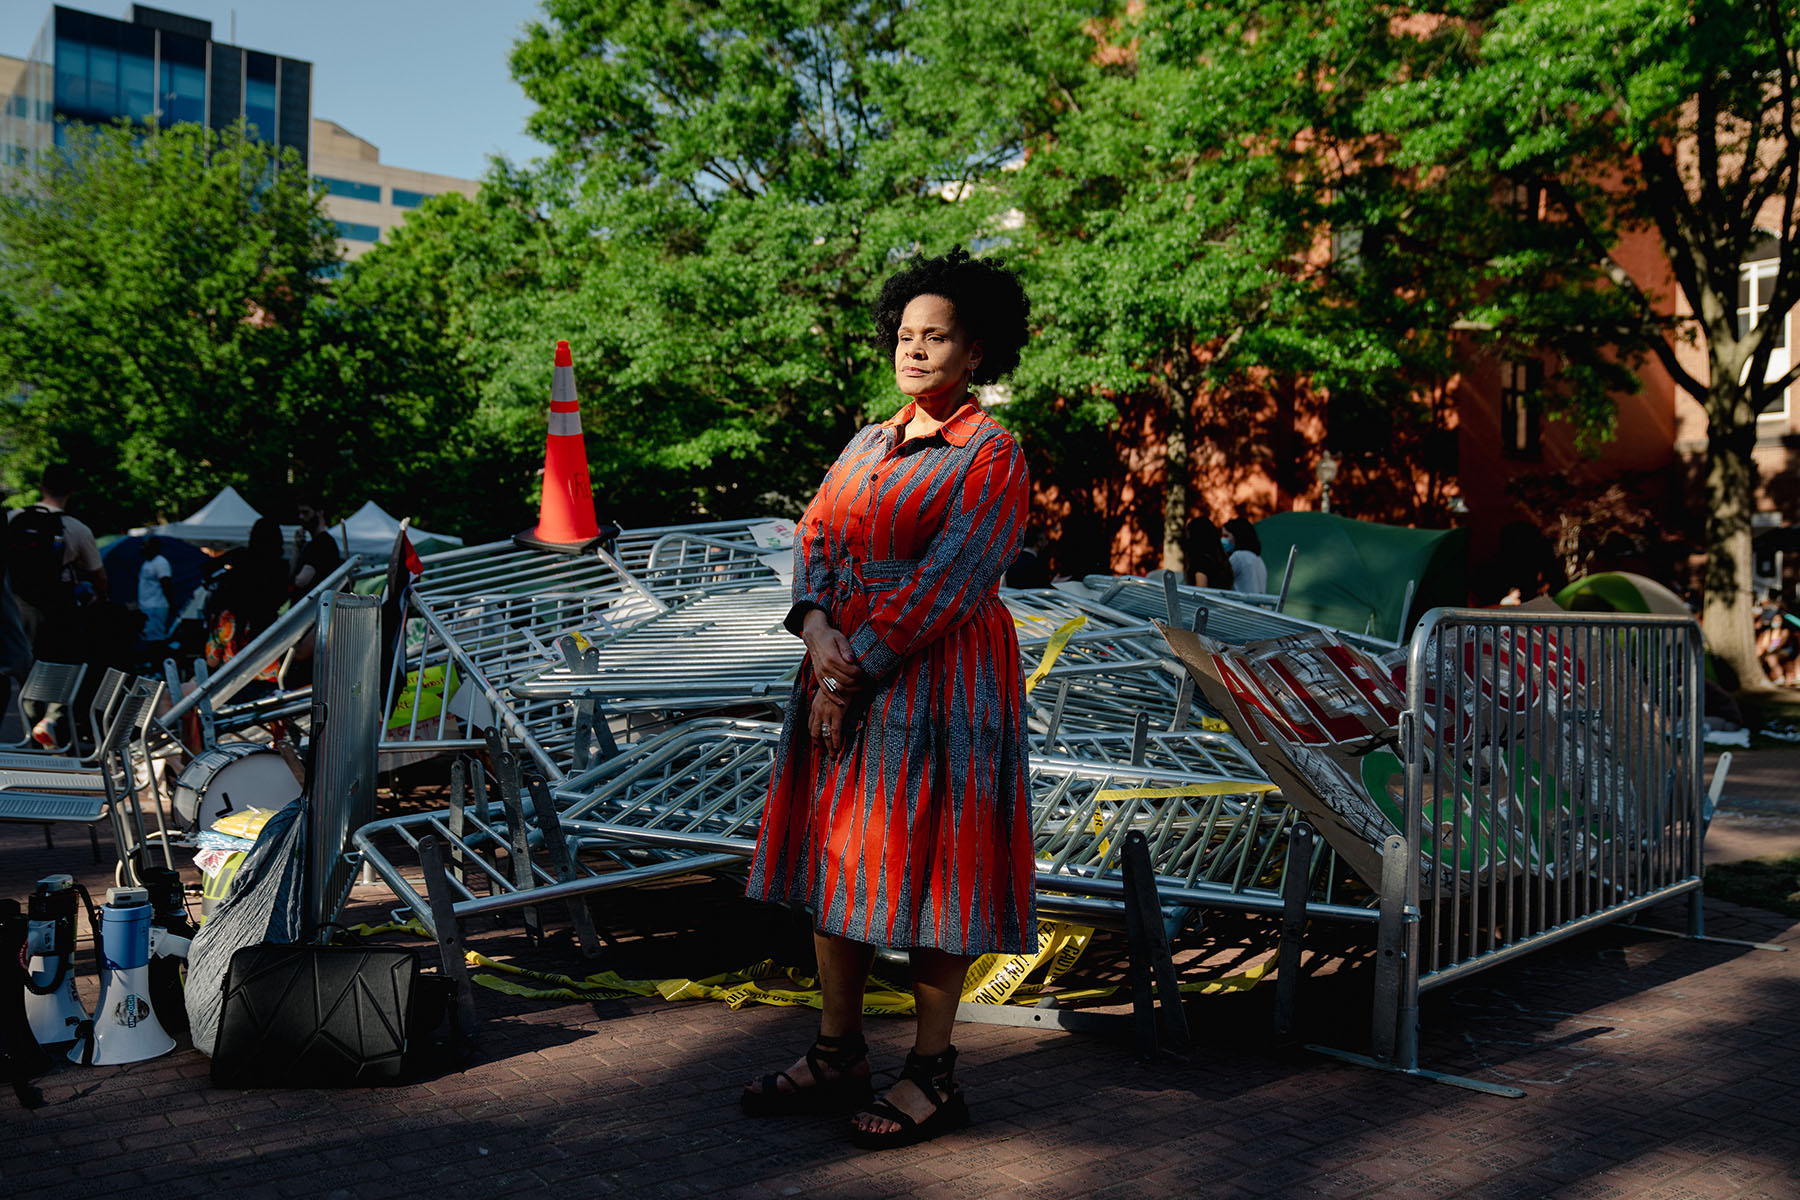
(1251, 704)
(1338, 727)
(1363, 673)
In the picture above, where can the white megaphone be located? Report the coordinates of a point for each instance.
(125, 1027)
(51, 1005)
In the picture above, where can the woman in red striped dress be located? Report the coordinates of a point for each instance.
(897, 811)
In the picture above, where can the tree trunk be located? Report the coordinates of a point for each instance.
(1176, 458)
(1727, 616)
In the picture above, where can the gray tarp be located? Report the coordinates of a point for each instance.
(266, 903)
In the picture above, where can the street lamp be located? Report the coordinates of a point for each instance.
(1325, 471)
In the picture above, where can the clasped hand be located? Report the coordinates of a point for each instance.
(829, 652)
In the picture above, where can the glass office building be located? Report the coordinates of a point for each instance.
(154, 65)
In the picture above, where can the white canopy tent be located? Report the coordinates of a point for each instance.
(371, 530)
(225, 520)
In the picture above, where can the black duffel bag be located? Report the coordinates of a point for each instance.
(305, 1015)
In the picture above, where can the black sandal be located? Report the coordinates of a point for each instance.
(844, 1090)
(931, 1074)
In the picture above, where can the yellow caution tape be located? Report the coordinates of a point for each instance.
(1058, 640)
(1243, 981)
(1218, 787)
(414, 925)
(992, 979)
(750, 986)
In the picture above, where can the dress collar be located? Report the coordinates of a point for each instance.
(957, 430)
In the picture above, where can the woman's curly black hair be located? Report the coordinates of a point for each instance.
(988, 301)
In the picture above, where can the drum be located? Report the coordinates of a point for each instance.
(231, 778)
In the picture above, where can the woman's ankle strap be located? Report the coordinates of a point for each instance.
(929, 1068)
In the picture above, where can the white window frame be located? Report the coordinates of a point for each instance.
(1756, 279)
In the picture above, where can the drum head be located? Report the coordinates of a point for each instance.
(229, 779)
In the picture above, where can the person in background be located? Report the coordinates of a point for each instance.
(53, 565)
(1030, 569)
(246, 589)
(1248, 573)
(1777, 641)
(1204, 547)
(155, 591)
(319, 555)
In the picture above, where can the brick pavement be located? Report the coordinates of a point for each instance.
(1759, 812)
(1655, 1067)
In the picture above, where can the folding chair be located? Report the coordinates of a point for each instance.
(51, 683)
(48, 797)
(100, 713)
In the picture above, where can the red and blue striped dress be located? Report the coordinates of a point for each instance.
(919, 833)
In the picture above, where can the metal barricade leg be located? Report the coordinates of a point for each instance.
(563, 863)
(1296, 883)
(459, 796)
(449, 935)
(1391, 963)
(1151, 962)
(506, 767)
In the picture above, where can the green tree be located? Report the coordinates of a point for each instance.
(1211, 223)
(729, 184)
(155, 289)
(1628, 117)
(1362, 194)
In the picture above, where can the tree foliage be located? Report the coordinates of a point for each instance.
(729, 184)
(171, 324)
(1645, 119)
(154, 293)
(1367, 195)
(1227, 214)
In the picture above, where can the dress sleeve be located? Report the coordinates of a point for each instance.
(814, 572)
(960, 567)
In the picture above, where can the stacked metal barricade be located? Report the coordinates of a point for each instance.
(628, 705)
(644, 688)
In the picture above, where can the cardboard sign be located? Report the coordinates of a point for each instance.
(772, 535)
(1320, 717)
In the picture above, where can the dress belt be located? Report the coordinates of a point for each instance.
(882, 574)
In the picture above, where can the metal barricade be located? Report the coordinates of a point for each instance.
(692, 564)
(633, 547)
(489, 616)
(1553, 782)
(691, 800)
(1230, 616)
(712, 651)
(345, 726)
(1096, 668)
(271, 645)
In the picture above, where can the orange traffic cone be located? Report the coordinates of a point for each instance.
(566, 521)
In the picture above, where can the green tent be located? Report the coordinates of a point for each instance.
(1348, 574)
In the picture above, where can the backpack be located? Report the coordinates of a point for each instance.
(34, 559)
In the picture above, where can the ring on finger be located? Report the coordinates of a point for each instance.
(831, 685)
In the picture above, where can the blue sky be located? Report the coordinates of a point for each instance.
(425, 80)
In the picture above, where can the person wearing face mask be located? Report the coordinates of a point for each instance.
(1248, 572)
(897, 811)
